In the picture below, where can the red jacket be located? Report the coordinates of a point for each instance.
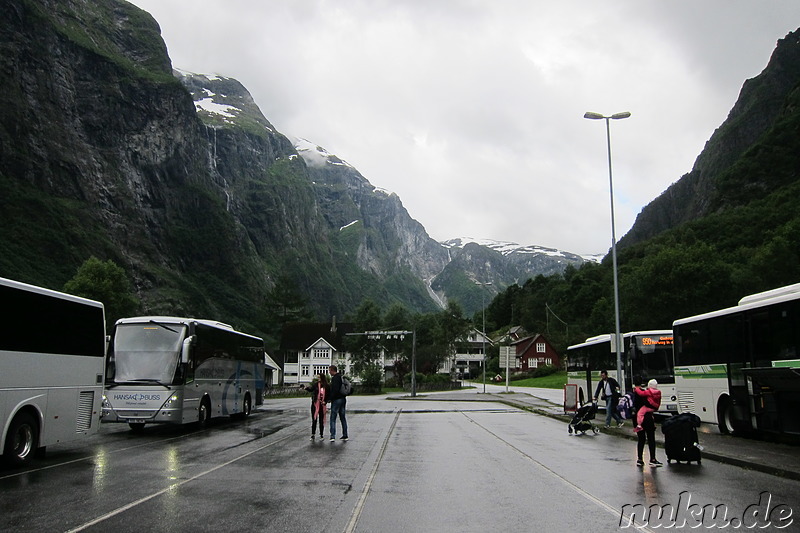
(651, 397)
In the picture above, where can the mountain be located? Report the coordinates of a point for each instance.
(107, 151)
(499, 263)
(762, 107)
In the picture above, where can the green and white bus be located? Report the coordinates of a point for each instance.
(739, 367)
(645, 355)
(180, 370)
(52, 358)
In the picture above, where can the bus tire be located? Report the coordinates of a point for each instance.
(204, 412)
(724, 415)
(247, 406)
(22, 440)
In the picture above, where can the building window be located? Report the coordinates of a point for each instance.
(320, 369)
(540, 347)
(304, 370)
(321, 353)
(549, 361)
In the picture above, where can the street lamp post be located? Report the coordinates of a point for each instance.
(617, 338)
(483, 312)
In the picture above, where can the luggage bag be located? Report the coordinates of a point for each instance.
(680, 438)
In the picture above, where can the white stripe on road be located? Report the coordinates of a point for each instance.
(351, 526)
(564, 480)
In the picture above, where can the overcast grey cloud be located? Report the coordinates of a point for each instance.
(472, 110)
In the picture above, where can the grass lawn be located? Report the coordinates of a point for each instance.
(553, 381)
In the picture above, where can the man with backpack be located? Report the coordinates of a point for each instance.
(338, 401)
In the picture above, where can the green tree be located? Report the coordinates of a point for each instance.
(399, 318)
(451, 326)
(283, 305)
(106, 282)
(365, 350)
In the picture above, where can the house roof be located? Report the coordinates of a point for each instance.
(513, 334)
(532, 338)
(270, 362)
(523, 345)
(298, 337)
(321, 342)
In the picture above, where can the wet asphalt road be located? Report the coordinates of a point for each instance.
(411, 465)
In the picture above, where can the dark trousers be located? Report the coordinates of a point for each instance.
(648, 433)
(321, 418)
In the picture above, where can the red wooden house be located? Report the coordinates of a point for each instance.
(535, 351)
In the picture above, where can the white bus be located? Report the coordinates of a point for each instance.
(739, 367)
(52, 357)
(645, 355)
(181, 370)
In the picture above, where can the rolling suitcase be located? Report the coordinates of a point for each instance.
(680, 438)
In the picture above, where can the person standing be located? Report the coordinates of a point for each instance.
(609, 389)
(338, 403)
(647, 434)
(320, 391)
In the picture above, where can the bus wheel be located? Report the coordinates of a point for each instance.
(22, 439)
(724, 416)
(246, 407)
(204, 412)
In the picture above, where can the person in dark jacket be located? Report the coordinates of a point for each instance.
(320, 392)
(608, 388)
(338, 403)
(648, 432)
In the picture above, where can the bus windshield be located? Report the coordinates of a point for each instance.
(147, 352)
(653, 358)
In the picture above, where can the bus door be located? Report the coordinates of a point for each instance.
(773, 385)
(731, 345)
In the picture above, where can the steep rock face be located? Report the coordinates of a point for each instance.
(180, 179)
(760, 105)
(104, 154)
(92, 114)
(390, 238)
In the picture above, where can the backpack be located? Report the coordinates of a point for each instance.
(625, 406)
(347, 388)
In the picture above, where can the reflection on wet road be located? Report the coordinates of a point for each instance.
(411, 465)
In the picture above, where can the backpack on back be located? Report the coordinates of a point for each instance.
(625, 406)
(347, 388)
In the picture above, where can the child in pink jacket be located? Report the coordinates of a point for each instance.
(651, 398)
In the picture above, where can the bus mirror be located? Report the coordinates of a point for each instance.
(187, 347)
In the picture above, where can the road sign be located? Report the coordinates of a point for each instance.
(505, 353)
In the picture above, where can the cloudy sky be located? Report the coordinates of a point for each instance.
(472, 110)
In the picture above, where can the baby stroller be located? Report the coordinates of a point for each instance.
(582, 421)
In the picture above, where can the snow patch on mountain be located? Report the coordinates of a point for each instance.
(507, 248)
(316, 155)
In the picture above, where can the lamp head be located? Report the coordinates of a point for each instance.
(593, 116)
(624, 114)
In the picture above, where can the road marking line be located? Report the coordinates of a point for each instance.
(174, 486)
(569, 483)
(351, 526)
